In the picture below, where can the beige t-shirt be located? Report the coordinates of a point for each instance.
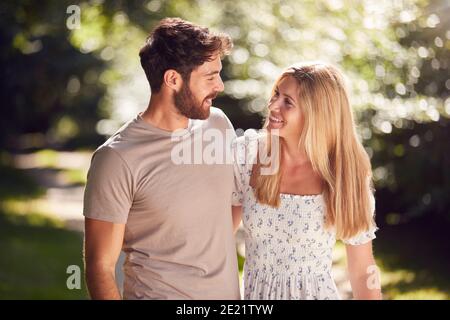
(179, 242)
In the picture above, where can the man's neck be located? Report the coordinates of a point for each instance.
(163, 114)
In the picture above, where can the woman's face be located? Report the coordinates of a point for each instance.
(284, 109)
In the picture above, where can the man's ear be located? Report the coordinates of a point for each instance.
(173, 79)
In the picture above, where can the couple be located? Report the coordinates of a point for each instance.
(176, 223)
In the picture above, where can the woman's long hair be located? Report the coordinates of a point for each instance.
(331, 144)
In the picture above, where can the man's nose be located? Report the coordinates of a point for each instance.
(220, 86)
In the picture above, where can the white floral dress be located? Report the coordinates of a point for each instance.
(288, 252)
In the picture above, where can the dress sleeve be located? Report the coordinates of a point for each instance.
(239, 167)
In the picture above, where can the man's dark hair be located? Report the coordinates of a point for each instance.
(179, 45)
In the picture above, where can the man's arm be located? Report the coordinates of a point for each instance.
(102, 245)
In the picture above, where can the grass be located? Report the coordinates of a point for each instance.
(47, 158)
(414, 260)
(36, 249)
(75, 176)
(36, 252)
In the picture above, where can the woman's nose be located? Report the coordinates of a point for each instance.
(274, 105)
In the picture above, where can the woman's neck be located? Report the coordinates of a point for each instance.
(293, 154)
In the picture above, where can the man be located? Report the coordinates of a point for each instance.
(173, 221)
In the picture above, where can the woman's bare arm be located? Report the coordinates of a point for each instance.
(363, 272)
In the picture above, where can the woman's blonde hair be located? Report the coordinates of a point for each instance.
(330, 141)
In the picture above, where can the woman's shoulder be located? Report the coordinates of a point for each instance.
(250, 136)
(251, 139)
(246, 146)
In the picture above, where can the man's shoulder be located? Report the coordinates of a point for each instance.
(122, 141)
(251, 137)
(218, 119)
(217, 112)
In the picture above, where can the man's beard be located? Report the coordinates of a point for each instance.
(189, 106)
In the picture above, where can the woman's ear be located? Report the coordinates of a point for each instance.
(173, 79)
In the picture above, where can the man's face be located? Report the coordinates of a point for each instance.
(194, 99)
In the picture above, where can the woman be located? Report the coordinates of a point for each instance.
(320, 191)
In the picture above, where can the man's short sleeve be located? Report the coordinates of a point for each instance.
(109, 190)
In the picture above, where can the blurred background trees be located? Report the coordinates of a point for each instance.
(69, 89)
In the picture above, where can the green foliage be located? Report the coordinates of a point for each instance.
(71, 88)
(411, 171)
(46, 79)
(15, 184)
